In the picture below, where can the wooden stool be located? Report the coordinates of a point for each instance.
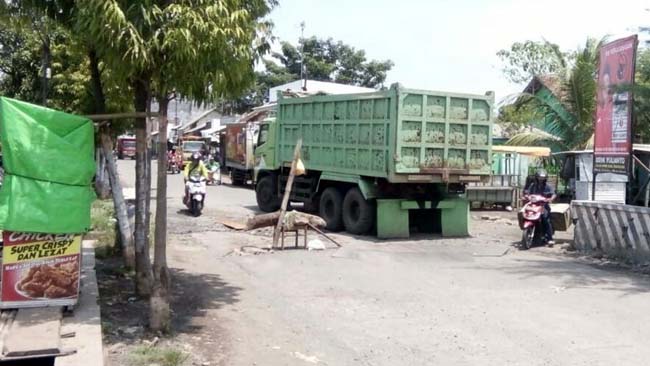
(296, 231)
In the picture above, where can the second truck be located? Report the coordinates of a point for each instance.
(394, 161)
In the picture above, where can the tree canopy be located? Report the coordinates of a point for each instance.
(523, 60)
(567, 118)
(324, 60)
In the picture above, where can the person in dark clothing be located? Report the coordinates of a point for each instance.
(540, 187)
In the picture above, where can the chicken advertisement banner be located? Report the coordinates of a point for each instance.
(40, 269)
(613, 128)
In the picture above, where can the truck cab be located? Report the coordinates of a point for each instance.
(265, 148)
(190, 146)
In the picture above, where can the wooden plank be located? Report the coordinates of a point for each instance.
(287, 193)
(232, 224)
(111, 116)
(35, 331)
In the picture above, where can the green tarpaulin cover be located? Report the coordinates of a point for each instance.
(49, 165)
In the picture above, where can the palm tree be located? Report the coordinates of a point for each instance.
(568, 111)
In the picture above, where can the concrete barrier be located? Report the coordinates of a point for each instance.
(617, 230)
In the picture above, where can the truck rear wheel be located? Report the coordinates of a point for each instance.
(358, 213)
(331, 207)
(266, 193)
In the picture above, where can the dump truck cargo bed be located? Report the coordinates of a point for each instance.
(403, 135)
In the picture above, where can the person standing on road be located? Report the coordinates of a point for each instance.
(195, 168)
(540, 187)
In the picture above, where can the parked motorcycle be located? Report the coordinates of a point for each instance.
(173, 163)
(195, 198)
(531, 220)
(214, 175)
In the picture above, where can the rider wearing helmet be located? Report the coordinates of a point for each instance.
(195, 168)
(540, 187)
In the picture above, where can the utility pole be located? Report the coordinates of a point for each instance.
(303, 72)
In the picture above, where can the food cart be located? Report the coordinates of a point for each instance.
(48, 157)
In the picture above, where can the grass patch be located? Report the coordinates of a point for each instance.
(103, 227)
(145, 355)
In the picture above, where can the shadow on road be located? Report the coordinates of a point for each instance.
(572, 274)
(125, 315)
(195, 294)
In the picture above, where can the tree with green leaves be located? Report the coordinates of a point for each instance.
(529, 58)
(203, 50)
(568, 117)
(642, 96)
(519, 114)
(34, 31)
(320, 59)
(642, 91)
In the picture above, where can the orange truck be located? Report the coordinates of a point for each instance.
(238, 141)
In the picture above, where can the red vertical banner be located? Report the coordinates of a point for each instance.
(613, 127)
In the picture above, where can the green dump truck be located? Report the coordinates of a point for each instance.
(395, 160)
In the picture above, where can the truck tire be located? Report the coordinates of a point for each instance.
(331, 208)
(358, 213)
(266, 193)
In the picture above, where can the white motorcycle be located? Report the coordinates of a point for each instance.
(196, 189)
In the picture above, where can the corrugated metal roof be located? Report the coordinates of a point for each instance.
(636, 148)
(523, 150)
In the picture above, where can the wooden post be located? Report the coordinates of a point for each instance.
(287, 193)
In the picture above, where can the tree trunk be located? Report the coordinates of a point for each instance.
(143, 273)
(160, 315)
(271, 219)
(102, 188)
(121, 209)
(287, 192)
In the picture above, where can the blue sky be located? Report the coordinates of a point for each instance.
(451, 45)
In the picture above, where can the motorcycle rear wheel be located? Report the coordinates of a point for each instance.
(195, 208)
(528, 237)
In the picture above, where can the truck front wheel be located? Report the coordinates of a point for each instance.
(331, 207)
(266, 193)
(358, 213)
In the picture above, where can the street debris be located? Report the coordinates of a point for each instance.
(310, 359)
(248, 250)
(315, 244)
(558, 289)
(296, 222)
(232, 224)
(293, 219)
(475, 254)
(489, 218)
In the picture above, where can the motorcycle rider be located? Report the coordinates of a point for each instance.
(540, 187)
(195, 168)
(212, 167)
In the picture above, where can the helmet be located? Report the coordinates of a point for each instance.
(541, 175)
(196, 157)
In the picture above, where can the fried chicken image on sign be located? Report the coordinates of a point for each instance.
(51, 281)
